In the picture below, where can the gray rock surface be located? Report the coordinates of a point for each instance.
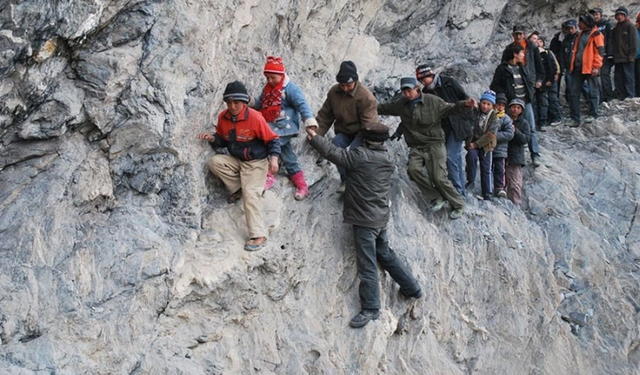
(119, 254)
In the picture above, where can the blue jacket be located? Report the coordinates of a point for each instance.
(294, 106)
(503, 136)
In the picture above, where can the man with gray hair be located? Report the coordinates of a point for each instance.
(422, 116)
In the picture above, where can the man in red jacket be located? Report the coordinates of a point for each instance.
(253, 150)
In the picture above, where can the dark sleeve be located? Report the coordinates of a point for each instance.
(273, 147)
(497, 83)
(538, 63)
(522, 133)
(218, 141)
(338, 156)
(387, 108)
(460, 93)
(608, 40)
(399, 130)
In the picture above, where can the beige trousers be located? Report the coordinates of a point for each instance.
(249, 176)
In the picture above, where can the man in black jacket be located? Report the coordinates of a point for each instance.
(366, 207)
(456, 127)
(534, 70)
(625, 49)
(546, 94)
(511, 79)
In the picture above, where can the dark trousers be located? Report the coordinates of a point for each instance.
(485, 168)
(554, 103)
(567, 89)
(577, 79)
(455, 169)
(542, 106)
(637, 77)
(623, 76)
(373, 245)
(499, 182)
(606, 92)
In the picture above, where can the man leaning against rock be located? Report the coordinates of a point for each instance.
(253, 151)
(366, 207)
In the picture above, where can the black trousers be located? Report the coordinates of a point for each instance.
(372, 246)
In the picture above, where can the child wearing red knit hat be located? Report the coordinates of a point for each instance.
(283, 105)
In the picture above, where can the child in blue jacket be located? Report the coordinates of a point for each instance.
(283, 104)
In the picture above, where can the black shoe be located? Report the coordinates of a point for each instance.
(364, 317)
(487, 197)
(417, 294)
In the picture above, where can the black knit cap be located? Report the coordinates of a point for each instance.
(424, 70)
(501, 98)
(375, 132)
(235, 91)
(588, 19)
(347, 73)
(622, 10)
(596, 10)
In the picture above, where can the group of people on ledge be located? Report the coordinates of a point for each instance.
(438, 120)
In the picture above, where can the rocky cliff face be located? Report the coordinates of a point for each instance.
(119, 255)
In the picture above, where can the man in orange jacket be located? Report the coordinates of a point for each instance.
(586, 61)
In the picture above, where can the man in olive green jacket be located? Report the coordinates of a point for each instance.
(421, 116)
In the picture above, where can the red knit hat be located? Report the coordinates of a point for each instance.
(274, 65)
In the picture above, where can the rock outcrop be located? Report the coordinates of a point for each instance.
(120, 255)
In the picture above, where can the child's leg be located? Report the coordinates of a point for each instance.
(499, 182)
(485, 172)
(472, 165)
(514, 184)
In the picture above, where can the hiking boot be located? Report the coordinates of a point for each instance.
(341, 188)
(487, 197)
(364, 317)
(555, 123)
(574, 123)
(456, 214)
(501, 193)
(589, 119)
(417, 294)
(536, 161)
(255, 244)
(469, 186)
(233, 198)
(437, 205)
